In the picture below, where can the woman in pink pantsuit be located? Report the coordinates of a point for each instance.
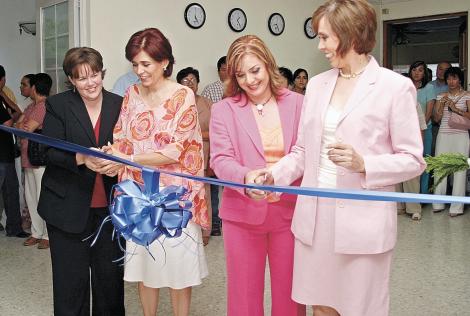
(359, 130)
(253, 128)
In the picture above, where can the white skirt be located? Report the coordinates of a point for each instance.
(179, 262)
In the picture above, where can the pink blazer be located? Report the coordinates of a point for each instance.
(236, 148)
(381, 123)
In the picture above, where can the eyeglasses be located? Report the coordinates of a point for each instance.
(186, 81)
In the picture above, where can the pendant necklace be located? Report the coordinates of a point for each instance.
(260, 106)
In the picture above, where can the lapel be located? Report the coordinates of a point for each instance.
(364, 85)
(245, 116)
(109, 111)
(325, 93)
(287, 114)
(79, 110)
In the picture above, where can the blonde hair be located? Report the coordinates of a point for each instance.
(250, 44)
(354, 22)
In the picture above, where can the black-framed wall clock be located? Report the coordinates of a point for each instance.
(195, 15)
(308, 29)
(237, 19)
(276, 24)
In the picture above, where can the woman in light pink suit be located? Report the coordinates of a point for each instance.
(252, 128)
(359, 130)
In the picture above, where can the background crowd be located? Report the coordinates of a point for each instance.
(253, 125)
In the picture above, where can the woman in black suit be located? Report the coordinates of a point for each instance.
(74, 197)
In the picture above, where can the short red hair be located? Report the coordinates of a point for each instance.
(354, 22)
(154, 43)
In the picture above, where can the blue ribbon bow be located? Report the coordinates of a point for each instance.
(143, 213)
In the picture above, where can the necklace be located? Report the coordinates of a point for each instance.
(457, 94)
(351, 75)
(260, 106)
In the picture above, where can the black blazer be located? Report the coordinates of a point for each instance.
(66, 188)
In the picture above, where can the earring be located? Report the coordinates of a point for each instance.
(74, 89)
(164, 68)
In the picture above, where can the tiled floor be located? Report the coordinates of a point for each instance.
(431, 274)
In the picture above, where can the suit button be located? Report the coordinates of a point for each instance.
(341, 204)
(340, 140)
(342, 173)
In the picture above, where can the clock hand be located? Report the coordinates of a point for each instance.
(238, 21)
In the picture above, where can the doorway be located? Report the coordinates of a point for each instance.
(432, 39)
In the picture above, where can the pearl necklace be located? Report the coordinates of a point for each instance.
(260, 106)
(351, 75)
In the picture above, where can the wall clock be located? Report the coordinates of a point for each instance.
(276, 24)
(237, 19)
(194, 15)
(308, 29)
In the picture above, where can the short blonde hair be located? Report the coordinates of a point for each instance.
(354, 22)
(250, 44)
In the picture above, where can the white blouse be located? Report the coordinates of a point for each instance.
(327, 169)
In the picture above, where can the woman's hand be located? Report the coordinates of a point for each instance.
(111, 168)
(112, 149)
(260, 177)
(345, 156)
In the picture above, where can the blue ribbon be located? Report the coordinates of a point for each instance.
(307, 191)
(144, 213)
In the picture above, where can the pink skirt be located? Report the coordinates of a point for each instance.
(351, 284)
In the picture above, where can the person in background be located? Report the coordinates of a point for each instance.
(215, 93)
(31, 120)
(8, 178)
(8, 97)
(189, 77)
(74, 197)
(440, 86)
(451, 140)
(439, 83)
(287, 77)
(9, 113)
(159, 127)
(255, 126)
(412, 185)
(25, 90)
(124, 82)
(344, 248)
(300, 80)
(215, 90)
(426, 98)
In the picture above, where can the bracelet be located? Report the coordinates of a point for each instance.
(132, 157)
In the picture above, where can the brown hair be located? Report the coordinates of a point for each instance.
(154, 43)
(354, 22)
(78, 56)
(250, 44)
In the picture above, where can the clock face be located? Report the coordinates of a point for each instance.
(194, 15)
(276, 24)
(308, 29)
(237, 20)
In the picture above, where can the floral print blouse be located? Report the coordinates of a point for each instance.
(171, 129)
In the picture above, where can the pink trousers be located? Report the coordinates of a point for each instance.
(246, 249)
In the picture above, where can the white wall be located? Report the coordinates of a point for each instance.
(112, 22)
(17, 52)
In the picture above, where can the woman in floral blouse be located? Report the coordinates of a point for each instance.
(158, 127)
